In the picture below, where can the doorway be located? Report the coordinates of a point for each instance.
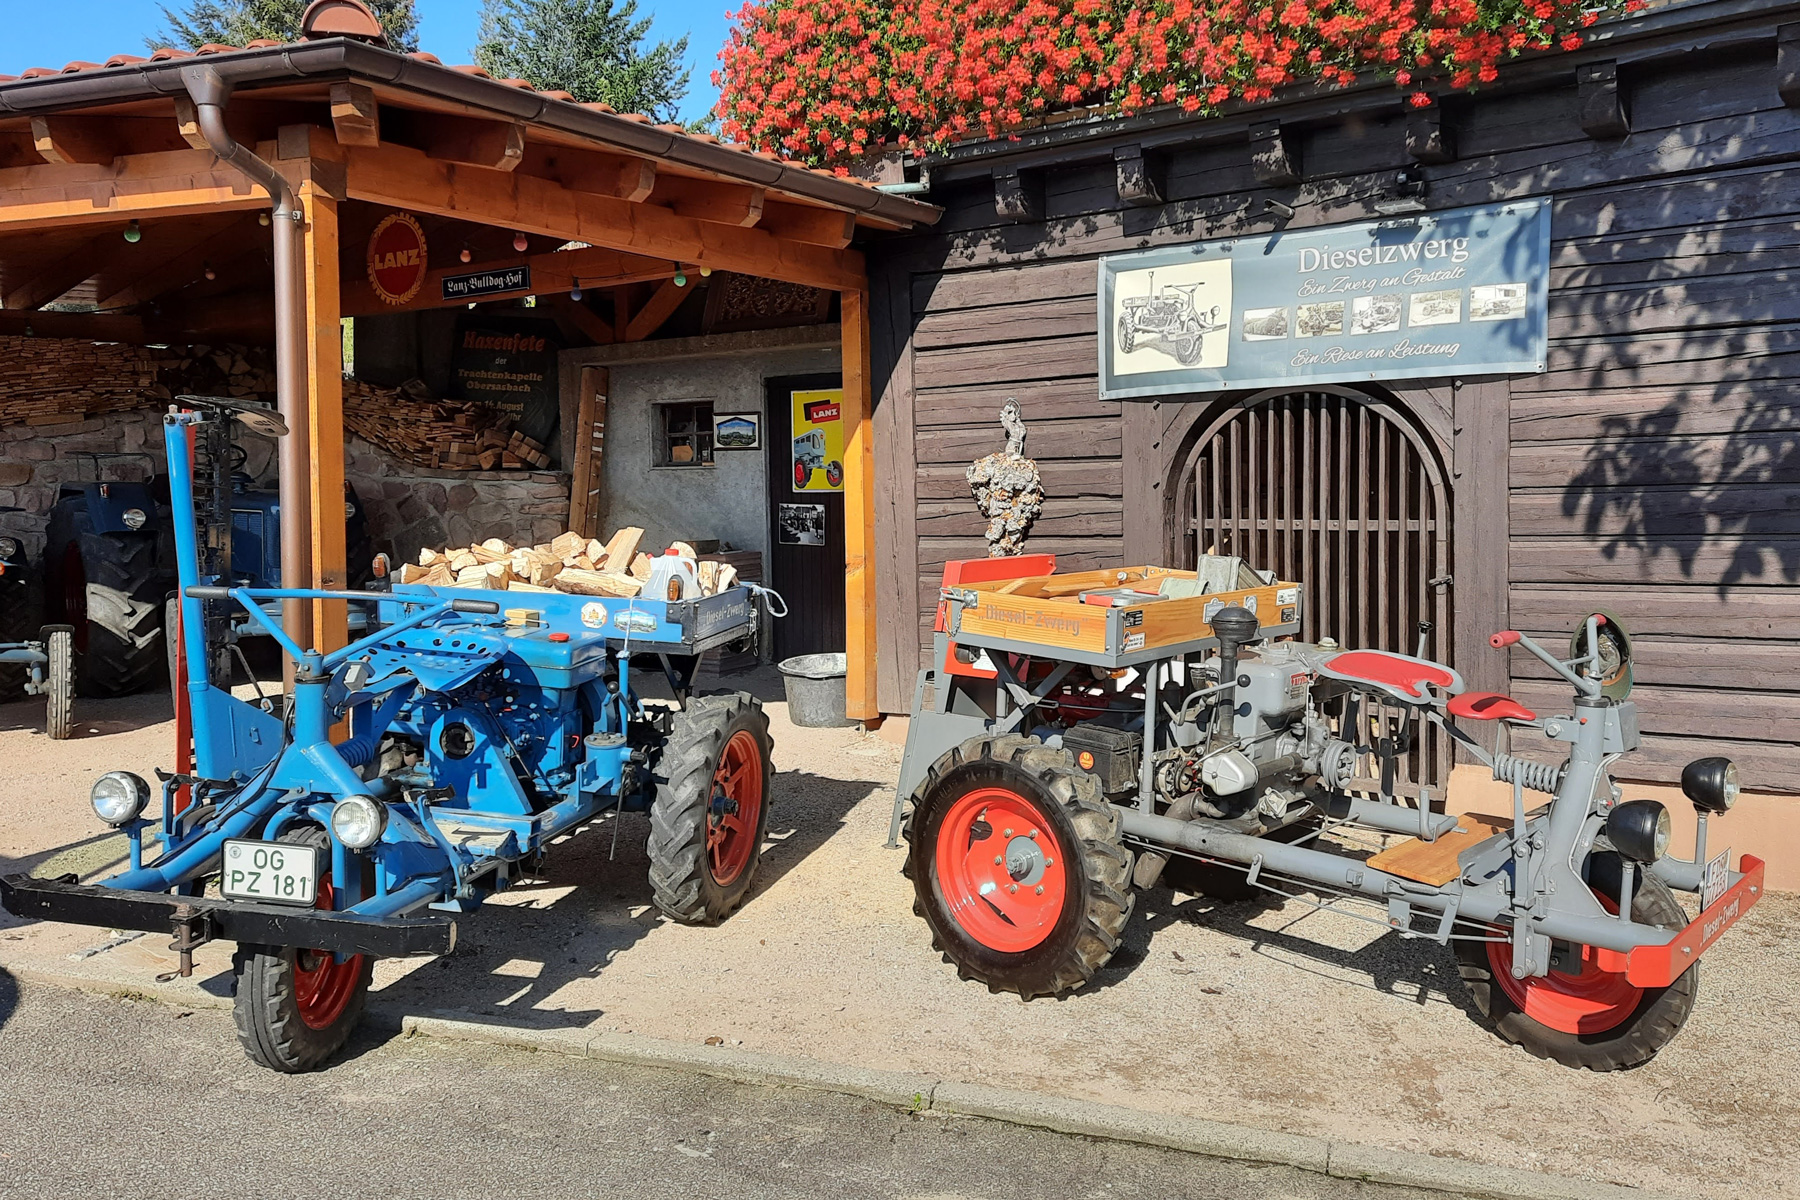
(1342, 493)
(806, 443)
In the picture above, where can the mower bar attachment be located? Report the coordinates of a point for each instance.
(259, 924)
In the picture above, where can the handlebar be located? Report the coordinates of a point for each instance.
(488, 607)
(249, 598)
(1503, 639)
(1582, 684)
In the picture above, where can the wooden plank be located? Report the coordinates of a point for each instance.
(1007, 322)
(735, 204)
(860, 594)
(325, 407)
(1767, 562)
(1053, 280)
(1682, 711)
(1672, 410)
(1732, 506)
(1050, 358)
(1048, 439)
(1702, 463)
(1073, 517)
(1435, 862)
(898, 483)
(408, 178)
(76, 139)
(801, 223)
(355, 115)
(657, 310)
(50, 281)
(1672, 612)
(1039, 400)
(165, 183)
(587, 484)
(1063, 478)
(1481, 515)
(1681, 662)
(618, 176)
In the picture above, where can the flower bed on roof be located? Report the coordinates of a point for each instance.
(828, 80)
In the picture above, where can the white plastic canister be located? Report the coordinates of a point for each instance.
(672, 577)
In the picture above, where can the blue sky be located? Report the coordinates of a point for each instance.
(49, 33)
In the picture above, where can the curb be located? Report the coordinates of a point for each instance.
(923, 1093)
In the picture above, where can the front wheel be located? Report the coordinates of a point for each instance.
(802, 474)
(1017, 866)
(1127, 339)
(1593, 1019)
(59, 701)
(295, 1008)
(711, 809)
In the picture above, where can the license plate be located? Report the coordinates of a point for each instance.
(277, 871)
(1718, 876)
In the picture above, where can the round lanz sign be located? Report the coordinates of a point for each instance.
(397, 259)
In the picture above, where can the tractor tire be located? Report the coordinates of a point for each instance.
(107, 588)
(1057, 860)
(1127, 339)
(17, 622)
(1187, 350)
(711, 811)
(834, 474)
(59, 674)
(295, 1008)
(802, 475)
(1595, 1020)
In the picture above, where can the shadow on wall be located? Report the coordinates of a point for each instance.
(1725, 506)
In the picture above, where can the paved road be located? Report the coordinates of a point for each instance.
(118, 1097)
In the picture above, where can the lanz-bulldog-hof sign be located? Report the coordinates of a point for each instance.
(1461, 292)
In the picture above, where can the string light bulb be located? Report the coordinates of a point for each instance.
(133, 234)
(681, 279)
(466, 254)
(575, 292)
(705, 272)
(263, 219)
(521, 243)
(209, 272)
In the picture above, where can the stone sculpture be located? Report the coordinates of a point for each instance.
(1006, 488)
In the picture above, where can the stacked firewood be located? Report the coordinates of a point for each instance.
(53, 381)
(457, 435)
(568, 563)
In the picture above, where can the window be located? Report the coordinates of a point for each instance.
(685, 436)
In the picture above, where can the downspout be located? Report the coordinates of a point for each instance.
(210, 94)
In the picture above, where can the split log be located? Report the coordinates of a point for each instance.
(640, 566)
(623, 547)
(596, 583)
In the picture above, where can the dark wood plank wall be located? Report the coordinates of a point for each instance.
(1653, 469)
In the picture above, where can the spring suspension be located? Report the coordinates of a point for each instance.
(1534, 776)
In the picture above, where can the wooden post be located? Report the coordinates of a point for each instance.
(590, 441)
(859, 512)
(325, 407)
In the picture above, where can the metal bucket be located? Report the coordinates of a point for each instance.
(815, 690)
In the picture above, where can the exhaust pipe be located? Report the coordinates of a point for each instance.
(210, 94)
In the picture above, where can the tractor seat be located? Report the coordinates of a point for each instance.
(1399, 675)
(1489, 706)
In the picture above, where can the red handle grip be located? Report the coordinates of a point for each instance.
(1504, 638)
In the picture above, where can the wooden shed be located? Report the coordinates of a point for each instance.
(1647, 465)
(242, 193)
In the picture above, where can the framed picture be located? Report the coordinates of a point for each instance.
(802, 525)
(737, 431)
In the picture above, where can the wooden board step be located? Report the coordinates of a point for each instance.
(1435, 862)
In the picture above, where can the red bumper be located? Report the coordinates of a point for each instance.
(1659, 966)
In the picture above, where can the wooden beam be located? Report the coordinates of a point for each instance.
(496, 145)
(618, 176)
(557, 271)
(187, 123)
(815, 226)
(656, 311)
(590, 324)
(94, 327)
(355, 115)
(325, 409)
(1600, 102)
(409, 179)
(53, 279)
(1018, 195)
(162, 184)
(720, 203)
(859, 511)
(621, 312)
(136, 273)
(1138, 177)
(590, 440)
(75, 140)
(1274, 156)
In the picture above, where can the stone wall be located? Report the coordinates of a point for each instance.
(407, 508)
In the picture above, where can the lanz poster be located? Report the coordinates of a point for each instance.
(1462, 292)
(510, 363)
(819, 441)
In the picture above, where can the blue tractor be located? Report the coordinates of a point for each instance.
(41, 666)
(109, 558)
(475, 737)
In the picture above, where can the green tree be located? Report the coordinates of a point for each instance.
(240, 22)
(592, 49)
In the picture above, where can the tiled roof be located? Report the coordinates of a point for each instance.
(169, 53)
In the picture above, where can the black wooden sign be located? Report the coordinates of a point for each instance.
(509, 362)
(487, 283)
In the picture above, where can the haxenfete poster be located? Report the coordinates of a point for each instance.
(1461, 292)
(509, 362)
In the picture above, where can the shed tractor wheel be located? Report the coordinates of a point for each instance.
(106, 587)
(1017, 866)
(1594, 1019)
(59, 701)
(295, 1008)
(712, 808)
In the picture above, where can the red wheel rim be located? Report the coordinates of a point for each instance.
(74, 594)
(734, 814)
(1010, 905)
(1591, 1002)
(801, 473)
(322, 985)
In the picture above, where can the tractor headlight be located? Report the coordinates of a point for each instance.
(358, 821)
(119, 797)
(1639, 829)
(1711, 783)
(9, 548)
(134, 518)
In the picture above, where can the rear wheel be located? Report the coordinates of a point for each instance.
(1017, 866)
(834, 474)
(1591, 1018)
(1127, 339)
(59, 674)
(712, 808)
(106, 587)
(294, 1008)
(1187, 350)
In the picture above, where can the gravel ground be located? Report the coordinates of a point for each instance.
(1271, 1015)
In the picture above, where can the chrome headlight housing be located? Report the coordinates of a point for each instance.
(1711, 783)
(358, 821)
(9, 547)
(1640, 830)
(134, 518)
(119, 797)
